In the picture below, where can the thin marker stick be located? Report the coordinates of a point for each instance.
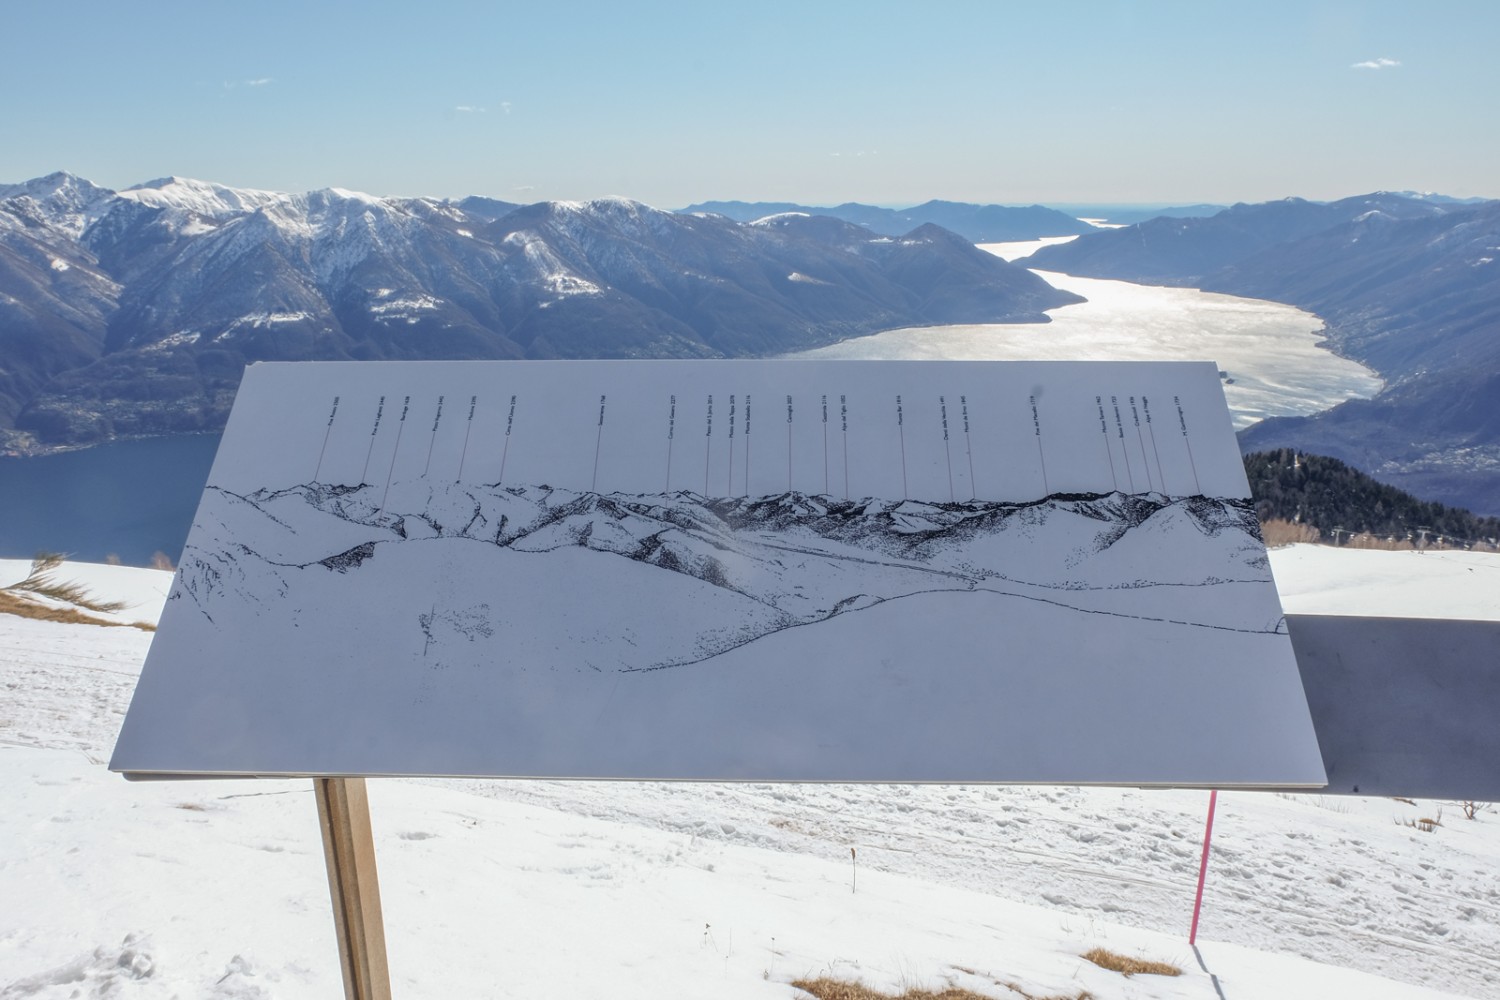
(598, 443)
(708, 441)
(825, 444)
(1135, 415)
(463, 456)
(321, 451)
(901, 430)
(789, 444)
(432, 441)
(1108, 453)
(1151, 430)
(671, 433)
(400, 428)
(963, 402)
(379, 411)
(730, 491)
(1182, 421)
(943, 408)
(844, 420)
(1120, 427)
(1036, 424)
(747, 444)
(510, 422)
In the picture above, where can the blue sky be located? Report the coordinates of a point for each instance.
(891, 103)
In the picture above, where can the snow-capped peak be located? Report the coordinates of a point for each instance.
(201, 197)
(61, 199)
(778, 217)
(349, 195)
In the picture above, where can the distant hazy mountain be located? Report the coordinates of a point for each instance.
(976, 223)
(134, 312)
(1128, 215)
(1180, 251)
(1408, 285)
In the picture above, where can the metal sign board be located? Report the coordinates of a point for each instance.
(770, 570)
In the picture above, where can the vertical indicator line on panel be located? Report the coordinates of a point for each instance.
(1114, 401)
(1161, 476)
(671, 433)
(370, 451)
(730, 491)
(510, 422)
(400, 429)
(463, 456)
(825, 445)
(789, 444)
(432, 441)
(963, 402)
(318, 472)
(1041, 454)
(901, 433)
(747, 444)
(1182, 422)
(708, 442)
(598, 443)
(1135, 416)
(844, 421)
(947, 451)
(1104, 436)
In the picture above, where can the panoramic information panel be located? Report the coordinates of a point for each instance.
(769, 570)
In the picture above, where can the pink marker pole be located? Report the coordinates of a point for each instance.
(1208, 833)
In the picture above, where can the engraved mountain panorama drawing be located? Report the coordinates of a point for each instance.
(672, 579)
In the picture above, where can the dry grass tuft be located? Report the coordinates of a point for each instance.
(21, 599)
(1127, 966)
(41, 582)
(837, 989)
(1277, 532)
(10, 604)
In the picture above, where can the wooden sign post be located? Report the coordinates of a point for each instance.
(349, 850)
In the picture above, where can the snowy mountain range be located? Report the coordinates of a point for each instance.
(134, 312)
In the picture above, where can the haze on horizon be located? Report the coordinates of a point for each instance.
(673, 103)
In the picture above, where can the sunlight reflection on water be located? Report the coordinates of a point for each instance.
(1270, 351)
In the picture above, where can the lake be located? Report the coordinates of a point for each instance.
(1271, 353)
(132, 499)
(127, 499)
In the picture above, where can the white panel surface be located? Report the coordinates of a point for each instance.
(773, 570)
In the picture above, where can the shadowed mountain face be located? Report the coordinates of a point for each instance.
(134, 312)
(975, 223)
(1408, 286)
(756, 564)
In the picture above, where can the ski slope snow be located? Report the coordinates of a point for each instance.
(216, 888)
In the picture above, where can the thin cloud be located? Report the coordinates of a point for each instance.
(261, 82)
(469, 109)
(1381, 63)
(505, 106)
(523, 188)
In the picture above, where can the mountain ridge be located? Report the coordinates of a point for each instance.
(1408, 286)
(976, 223)
(133, 313)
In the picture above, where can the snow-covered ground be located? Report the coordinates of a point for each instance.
(216, 889)
(1271, 351)
(1439, 583)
